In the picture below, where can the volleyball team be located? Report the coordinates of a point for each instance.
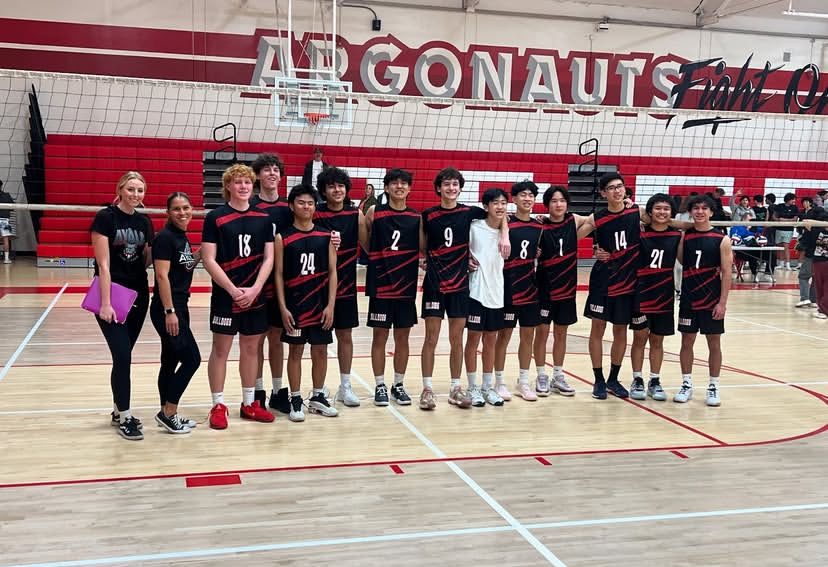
(284, 273)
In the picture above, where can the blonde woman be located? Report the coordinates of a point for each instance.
(121, 238)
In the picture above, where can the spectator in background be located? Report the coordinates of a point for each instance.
(820, 198)
(743, 211)
(367, 202)
(759, 209)
(7, 224)
(786, 212)
(807, 204)
(313, 168)
(719, 214)
(805, 245)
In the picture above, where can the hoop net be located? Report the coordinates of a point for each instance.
(315, 118)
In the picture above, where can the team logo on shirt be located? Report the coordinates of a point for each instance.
(185, 258)
(128, 239)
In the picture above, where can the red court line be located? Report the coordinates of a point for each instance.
(659, 414)
(219, 480)
(543, 461)
(397, 469)
(680, 454)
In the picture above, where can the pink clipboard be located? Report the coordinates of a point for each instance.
(122, 299)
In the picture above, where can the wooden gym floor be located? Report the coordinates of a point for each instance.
(559, 481)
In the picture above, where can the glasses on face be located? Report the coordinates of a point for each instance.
(614, 187)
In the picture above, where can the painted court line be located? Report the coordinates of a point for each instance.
(216, 552)
(778, 329)
(476, 488)
(13, 358)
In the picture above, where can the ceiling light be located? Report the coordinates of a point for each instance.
(791, 12)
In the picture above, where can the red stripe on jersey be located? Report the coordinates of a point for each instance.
(239, 262)
(612, 216)
(666, 280)
(388, 253)
(223, 220)
(300, 235)
(331, 214)
(708, 234)
(689, 272)
(449, 250)
(705, 305)
(323, 284)
(517, 262)
(621, 288)
(554, 260)
(443, 212)
(656, 306)
(659, 234)
(392, 213)
(559, 294)
(652, 271)
(264, 205)
(298, 280)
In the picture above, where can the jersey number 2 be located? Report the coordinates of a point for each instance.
(395, 240)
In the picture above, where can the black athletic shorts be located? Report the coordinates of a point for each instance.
(482, 318)
(387, 313)
(691, 321)
(453, 305)
(274, 316)
(244, 323)
(527, 315)
(315, 335)
(563, 312)
(346, 315)
(616, 310)
(663, 324)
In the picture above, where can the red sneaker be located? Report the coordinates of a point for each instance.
(256, 412)
(218, 417)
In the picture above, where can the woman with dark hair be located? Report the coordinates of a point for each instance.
(180, 358)
(121, 238)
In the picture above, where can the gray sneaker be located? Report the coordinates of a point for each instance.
(477, 399)
(655, 391)
(685, 394)
(542, 385)
(637, 389)
(560, 386)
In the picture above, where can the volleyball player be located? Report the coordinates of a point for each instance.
(654, 309)
(612, 283)
(306, 287)
(174, 263)
(521, 294)
(237, 251)
(337, 214)
(557, 283)
(121, 238)
(391, 282)
(707, 258)
(269, 170)
(444, 241)
(486, 297)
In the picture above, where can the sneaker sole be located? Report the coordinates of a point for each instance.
(117, 423)
(717, 404)
(214, 426)
(347, 404)
(611, 393)
(565, 393)
(138, 437)
(658, 399)
(402, 402)
(528, 399)
(682, 401)
(541, 394)
(599, 396)
(258, 420)
(296, 419)
(381, 404)
(461, 405)
(163, 425)
(638, 397)
(479, 404)
(323, 411)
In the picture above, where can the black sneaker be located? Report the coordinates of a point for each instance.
(116, 421)
(615, 388)
(400, 395)
(261, 397)
(172, 424)
(280, 401)
(599, 390)
(318, 403)
(381, 395)
(129, 430)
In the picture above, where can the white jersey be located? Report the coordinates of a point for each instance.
(486, 283)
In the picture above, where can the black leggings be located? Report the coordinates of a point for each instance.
(121, 338)
(180, 357)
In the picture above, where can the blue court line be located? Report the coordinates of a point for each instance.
(10, 362)
(214, 552)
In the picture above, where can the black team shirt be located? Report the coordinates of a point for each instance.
(701, 286)
(305, 271)
(393, 251)
(346, 222)
(558, 261)
(519, 282)
(619, 234)
(656, 288)
(447, 247)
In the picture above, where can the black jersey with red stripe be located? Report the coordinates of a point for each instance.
(619, 234)
(701, 285)
(558, 261)
(280, 217)
(240, 238)
(447, 246)
(393, 252)
(519, 282)
(656, 287)
(346, 223)
(305, 272)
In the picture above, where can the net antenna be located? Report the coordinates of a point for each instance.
(312, 96)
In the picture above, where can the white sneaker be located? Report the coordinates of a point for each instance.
(492, 397)
(503, 392)
(713, 399)
(7, 260)
(525, 392)
(296, 409)
(684, 395)
(820, 315)
(346, 396)
(320, 404)
(542, 385)
(476, 396)
(803, 303)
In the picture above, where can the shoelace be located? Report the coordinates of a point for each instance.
(296, 404)
(382, 390)
(685, 387)
(399, 391)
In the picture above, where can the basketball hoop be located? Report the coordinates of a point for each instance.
(314, 118)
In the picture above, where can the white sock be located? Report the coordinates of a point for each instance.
(655, 376)
(499, 378)
(714, 381)
(319, 391)
(687, 379)
(277, 383)
(248, 394)
(427, 382)
(379, 379)
(487, 380)
(398, 378)
(260, 383)
(345, 381)
(541, 370)
(125, 415)
(472, 376)
(294, 394)
(218, 398)
(523, 376)
(455, 383)
(636, 374)
(557, 370)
